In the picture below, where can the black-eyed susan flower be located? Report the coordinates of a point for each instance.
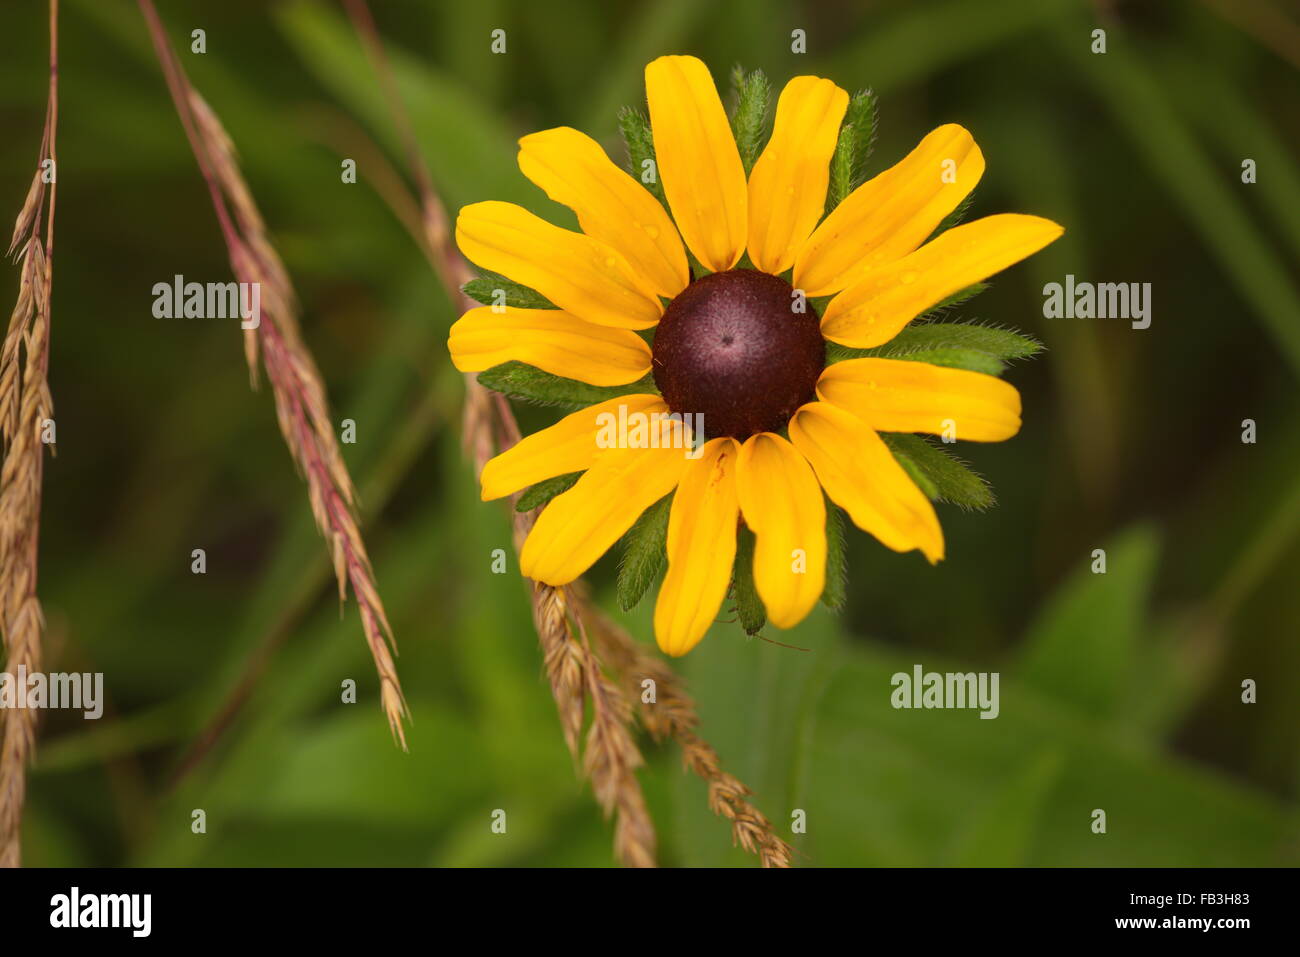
(710, 296)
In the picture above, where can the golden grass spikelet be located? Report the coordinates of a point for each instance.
(302, 410)
(562, 660)
(25, 405)
(672, 716)
(22, 629)
(609, 756)
(31, 297)
(610, 761)
(28, 213)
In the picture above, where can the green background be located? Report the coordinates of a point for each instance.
(1119, 692)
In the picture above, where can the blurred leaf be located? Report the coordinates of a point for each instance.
(656, 27)
(470, 151)
(1223, 112)
(644, 553)
(1082, 647)
(924, 40)
(334, 769)
(942, 476)
(538, 495)
(521, 381)
(1002, 832)
(1181, 165)
(756, 702)
(489, 286)
(902, 787)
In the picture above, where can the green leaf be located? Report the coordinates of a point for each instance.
(837, 559)
(490, 287)
(1082, 649)
(753, 616)
(940, 777)
(522, 381)
(541, 493)
(749, 119)
(960, 345)
(942, 476)
(857, 137)
(1001, 831)
(640, 144)
(644, 553)
(757, 702)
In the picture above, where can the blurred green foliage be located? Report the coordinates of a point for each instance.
(1119, 692)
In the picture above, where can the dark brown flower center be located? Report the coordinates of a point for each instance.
(735, 348)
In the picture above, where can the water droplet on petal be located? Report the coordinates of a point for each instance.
(908, 277)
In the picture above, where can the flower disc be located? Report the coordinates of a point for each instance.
(734, 347)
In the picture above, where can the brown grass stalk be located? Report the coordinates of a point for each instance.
(579, 680)
(25, 405)
(300, 403)
(672, 716)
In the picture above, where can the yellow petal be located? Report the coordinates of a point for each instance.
(787, 187)
(894, 395)
(699, 164)
(891, 214)
(874, 309)
(567, 446)
(783, 505)
(551, 340)
(611, 206)
(578, 526)
(701, 548)
(858, 472)
(579, 274)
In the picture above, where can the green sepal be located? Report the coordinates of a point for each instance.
(519, 380)
(752, 93)
(955, 217)
(644, 553)
(486, 289)
(749, 607)
(956, 299)
(639, 140)
(852, 149)
(958, 345)
(837, 559)
(640, 143)
(940, 475)
(538, 495)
